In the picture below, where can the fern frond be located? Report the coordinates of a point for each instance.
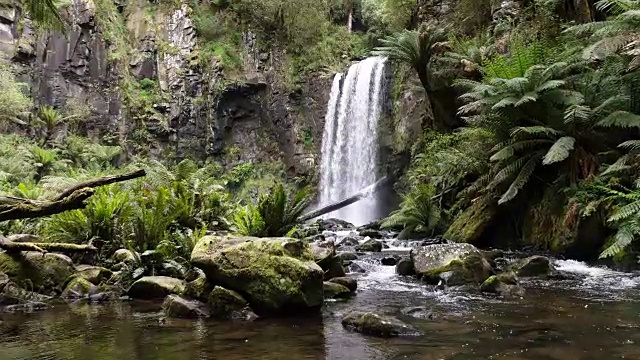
(625, 212)
(559, 151)
(521, 180)
(623, 119)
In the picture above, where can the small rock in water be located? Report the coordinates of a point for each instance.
(419, 312)
(348, 282)
(405, 267)
(370, 245)
(389, 260)
(355, 268)
(376, 325)
(335, 291)
(374, 234)
(176, 306)
(350, 241)
(347, 256)
(535, 266)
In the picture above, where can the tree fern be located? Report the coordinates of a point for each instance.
(560, 150)
(521, 180)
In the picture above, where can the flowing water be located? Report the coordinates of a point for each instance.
(592, 317)
(350, 139)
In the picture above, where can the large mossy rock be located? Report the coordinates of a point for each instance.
(376, 325)
(472, 222)
(37, 271)
(454, 264)
(12, 294)
(535, 266)
(178, 307)
(79, 288)
(156, 287)
(93, 274)
(276, 275)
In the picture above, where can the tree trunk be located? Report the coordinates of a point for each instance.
(348, 201)
(584, 13)
(12, 247)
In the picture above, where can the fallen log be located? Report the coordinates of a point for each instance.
(13, 247)
(13, 208)
(366, 192)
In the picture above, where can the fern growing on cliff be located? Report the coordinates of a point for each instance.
(418, 212)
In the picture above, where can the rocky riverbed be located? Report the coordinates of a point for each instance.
(507, 308)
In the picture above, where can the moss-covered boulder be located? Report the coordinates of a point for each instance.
(93, 274)
(156, 287)
(505, 284)
(228, 304)
(405, 267)
(454, 264)
(37, 271)
(370, 245)
(178, 307)
(376, 325)
(535, 266)
(276, 275)
(348, 282)
(79, 288)
(472, 222)
(335, 291)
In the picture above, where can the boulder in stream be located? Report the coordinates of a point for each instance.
(389, 260)
(374, 234)
(377, 325)
(351, 241)
(198, 287)
(156, 287)
(504, 284)
(228, 304)
(12, 294)
(348, 282)
(405, 267)
(370, 245)
(93, 274)
(275, 275)
(79, 288)
(454, 264)
(125, 256)
(335, 291)
(178, 307)
(535, 266)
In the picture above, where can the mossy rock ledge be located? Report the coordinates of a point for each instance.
(454, 264)
(275, 275)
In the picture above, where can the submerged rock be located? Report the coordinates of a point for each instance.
(176, 306)
(156, 287)
(376, 325)
(79, 288)
(370, 245)
(418, 312)
(37, 271)
(93, 274)
(335, 291)
(348, 282)
(505, 284)
(275, 275)
(535, 266)
(405, 267)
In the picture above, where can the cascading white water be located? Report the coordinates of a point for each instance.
(350, 139)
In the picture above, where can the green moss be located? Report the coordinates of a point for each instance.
(473, 268)
(469, 225)
(38, 272)
(224, 302)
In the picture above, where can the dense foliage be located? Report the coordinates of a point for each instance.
(544, 121)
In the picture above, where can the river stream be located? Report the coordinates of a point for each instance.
(594, 316)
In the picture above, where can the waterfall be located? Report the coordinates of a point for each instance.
(350, 139)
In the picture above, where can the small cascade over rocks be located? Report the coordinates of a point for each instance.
(350, 139)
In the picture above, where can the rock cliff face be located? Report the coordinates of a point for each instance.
(136, 67)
